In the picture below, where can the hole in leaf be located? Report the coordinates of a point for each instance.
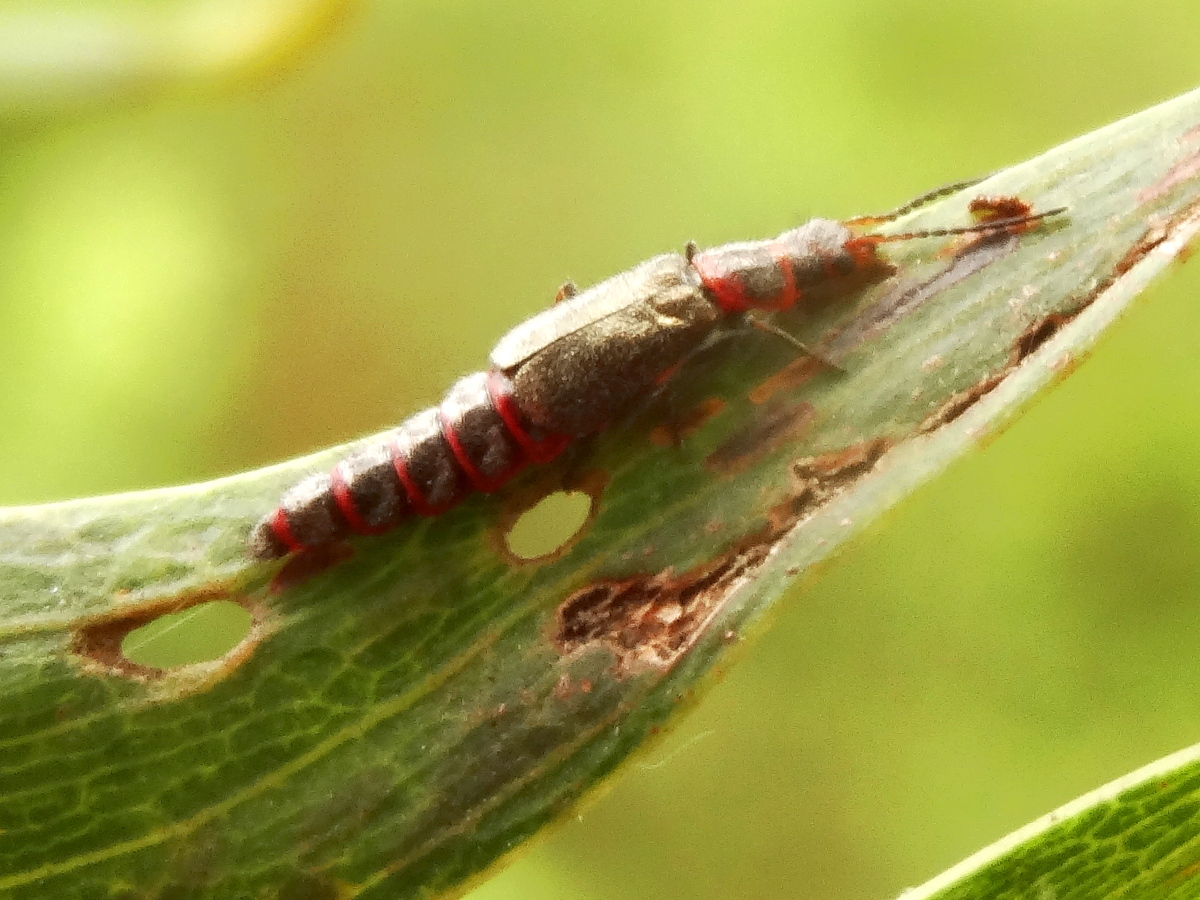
(549, 525)
(198, 634)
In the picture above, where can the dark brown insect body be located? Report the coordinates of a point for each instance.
(568, 372)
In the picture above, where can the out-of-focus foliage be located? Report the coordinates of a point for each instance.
(194, 286)
(59, 55)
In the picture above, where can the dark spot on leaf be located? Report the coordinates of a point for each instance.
(1038, 333)
(1044, 329)
(1155, 234)
(835, 470)
(766, 434)
(1151, 238)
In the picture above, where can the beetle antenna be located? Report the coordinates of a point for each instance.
(916, 203)
(980, 228)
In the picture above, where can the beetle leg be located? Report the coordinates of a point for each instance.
(566, 291)
(772, 328)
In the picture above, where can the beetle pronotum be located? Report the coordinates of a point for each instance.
(574, 368)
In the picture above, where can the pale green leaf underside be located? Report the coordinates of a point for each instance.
(398, 722)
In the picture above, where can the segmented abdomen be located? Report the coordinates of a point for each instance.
(476, 440)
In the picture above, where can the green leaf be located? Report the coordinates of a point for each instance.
(1136, 837)
(399, 719)
(56, 55)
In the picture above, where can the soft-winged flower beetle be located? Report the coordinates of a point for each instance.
(586, 362)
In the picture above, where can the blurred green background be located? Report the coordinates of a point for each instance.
(220, 273)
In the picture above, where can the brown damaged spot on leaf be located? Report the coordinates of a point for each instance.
(819, 478)
(1047, 327)
(1038, 333)
(957, 404)
(791, 377)
(776, 427)
(96, 646)
(839, 469)
(1157, 233)
(649, 621)
(527, 495)
(1029, 341)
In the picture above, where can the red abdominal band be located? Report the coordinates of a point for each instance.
(282, 529)
(730, 295)
(479, 479)
(419, 504)
(500, 391)
(789, 295)
(346, 506)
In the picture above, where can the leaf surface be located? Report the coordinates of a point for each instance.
(401, 717)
